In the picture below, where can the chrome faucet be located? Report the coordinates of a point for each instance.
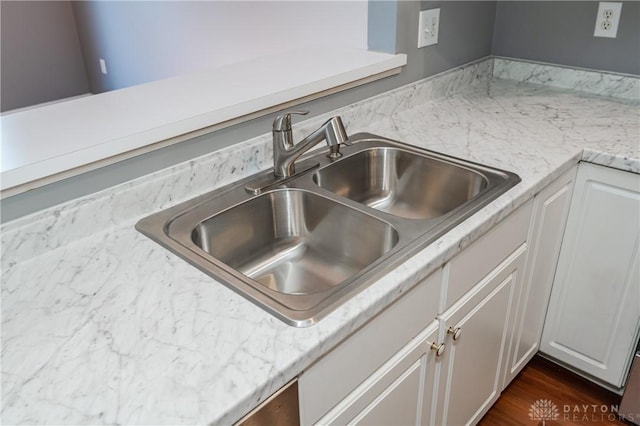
(285, 152)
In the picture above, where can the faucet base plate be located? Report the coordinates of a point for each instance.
(270, 180)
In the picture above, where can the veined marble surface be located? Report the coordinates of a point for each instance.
(607, 84)
(108, 327)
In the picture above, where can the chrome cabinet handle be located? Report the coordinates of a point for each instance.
(438, 349)
(455, 332)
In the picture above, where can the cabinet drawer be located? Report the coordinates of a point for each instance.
(343, 369)
(485, 254)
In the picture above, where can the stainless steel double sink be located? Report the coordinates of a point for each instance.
(302, 246)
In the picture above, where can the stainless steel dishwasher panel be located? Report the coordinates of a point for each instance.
(281, 408)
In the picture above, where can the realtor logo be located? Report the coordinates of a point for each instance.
(543, 409)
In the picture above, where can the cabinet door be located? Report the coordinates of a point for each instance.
(400, 392)
(594, 311)
(335, 376)
(550, 211)
(470, 370)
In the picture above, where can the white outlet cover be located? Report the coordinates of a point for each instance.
(428, 26)
(103, 66)
(607, 27)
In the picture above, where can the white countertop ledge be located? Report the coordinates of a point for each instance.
(52, 142)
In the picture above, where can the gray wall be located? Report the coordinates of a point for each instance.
(466, 29)
(465, 35)
(561, 32)
(40, 59)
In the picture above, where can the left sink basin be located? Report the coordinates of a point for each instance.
(295, 253)
(294, 242)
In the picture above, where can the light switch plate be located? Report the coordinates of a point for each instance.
(607, 19)
(428, 26)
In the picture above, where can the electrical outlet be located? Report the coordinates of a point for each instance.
(607, 19)
(428, 26)
(103, 66)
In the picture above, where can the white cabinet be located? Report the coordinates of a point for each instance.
(363, 377)
(477, 328)
(399, 393)
(550, 211)
(594, 312)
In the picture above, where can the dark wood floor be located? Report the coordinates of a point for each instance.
(545, 391)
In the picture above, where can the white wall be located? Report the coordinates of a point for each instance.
(143, 41)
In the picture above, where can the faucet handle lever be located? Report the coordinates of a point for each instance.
(282, 122)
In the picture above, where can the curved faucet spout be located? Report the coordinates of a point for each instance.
(285, 152)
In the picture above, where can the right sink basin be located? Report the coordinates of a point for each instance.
(402, 183)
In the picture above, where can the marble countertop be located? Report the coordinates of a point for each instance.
(108, 327)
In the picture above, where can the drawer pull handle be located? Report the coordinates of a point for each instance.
(455, 332)
(438, 349)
